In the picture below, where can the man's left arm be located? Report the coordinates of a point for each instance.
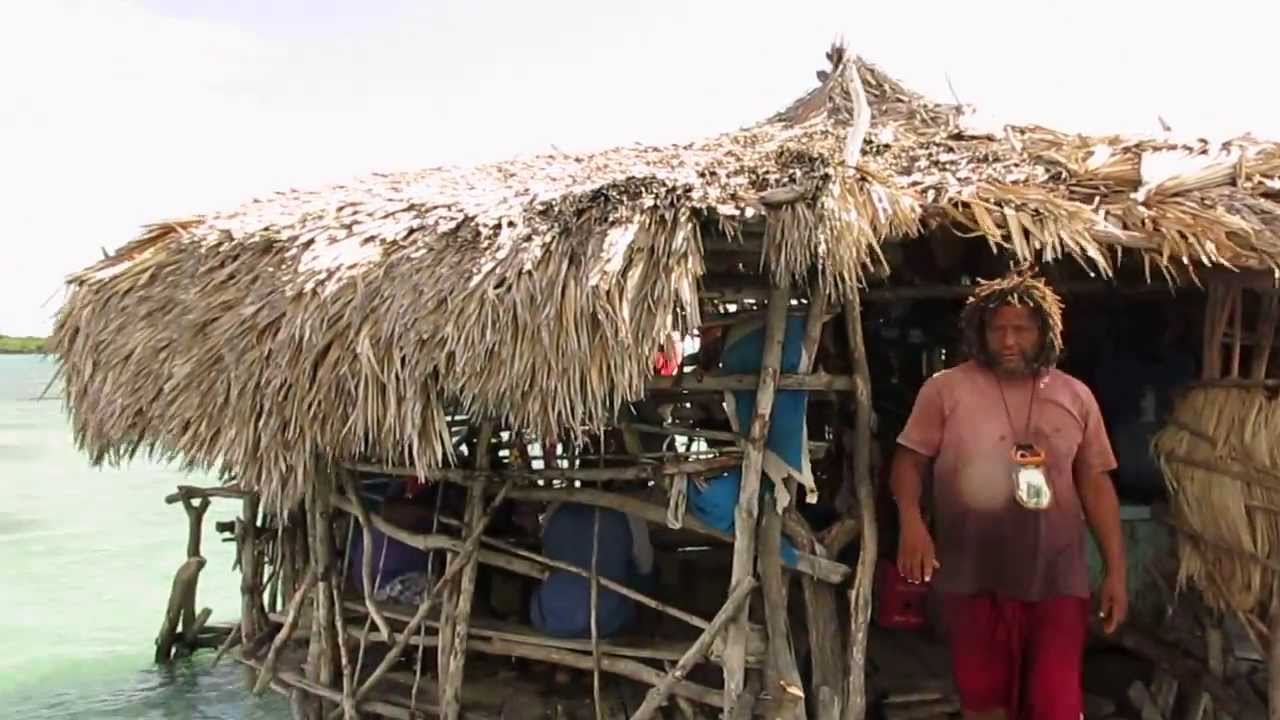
(1092, 469)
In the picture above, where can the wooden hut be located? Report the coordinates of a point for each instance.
(495, 328)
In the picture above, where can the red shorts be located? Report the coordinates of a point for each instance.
(1023, 657)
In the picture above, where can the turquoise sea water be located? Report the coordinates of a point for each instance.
(87, 557)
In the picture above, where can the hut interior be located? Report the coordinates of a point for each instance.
(607, 435)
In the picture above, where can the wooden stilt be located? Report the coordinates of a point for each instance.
(855, 696)
(455, 632)
(747, 511)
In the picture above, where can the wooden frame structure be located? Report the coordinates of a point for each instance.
(301, 343)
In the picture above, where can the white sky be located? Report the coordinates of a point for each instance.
(114, 113)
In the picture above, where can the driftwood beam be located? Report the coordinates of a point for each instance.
(659, 693)
(720, 383)
(747, 510)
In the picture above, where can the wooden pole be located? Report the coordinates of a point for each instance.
(455, 632)
(855, 696)
(252, 613)
(747, 510)
(825, 647)
(782, 676)
(656, 696)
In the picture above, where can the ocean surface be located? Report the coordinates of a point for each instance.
(87, 557)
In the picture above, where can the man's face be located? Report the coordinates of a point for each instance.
(1013, 339)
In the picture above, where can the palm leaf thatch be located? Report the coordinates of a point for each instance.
(340, 323)
(1221, 461)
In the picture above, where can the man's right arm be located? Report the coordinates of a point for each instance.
(917, 557)
(919, 443)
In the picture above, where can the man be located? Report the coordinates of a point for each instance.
(561, 606)
(1020, 460)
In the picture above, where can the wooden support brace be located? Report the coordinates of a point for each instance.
(658, 695)
(747, 510)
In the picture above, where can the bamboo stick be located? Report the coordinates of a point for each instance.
(855, 696)
(659, 693)
(745, 514)
(454, 630)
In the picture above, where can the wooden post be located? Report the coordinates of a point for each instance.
(253, 616)
(195, 525)
(782, 676)
(747, 510)
(451, 672)
(826, 657)
(855, 696)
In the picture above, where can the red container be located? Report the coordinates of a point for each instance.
(900, 605)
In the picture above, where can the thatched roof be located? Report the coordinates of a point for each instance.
(339, 323)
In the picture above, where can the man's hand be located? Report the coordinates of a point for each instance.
(916, 557)
(1113, 602)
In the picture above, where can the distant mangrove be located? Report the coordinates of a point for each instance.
(21, 345)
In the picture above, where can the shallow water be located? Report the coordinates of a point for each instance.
(87, 557)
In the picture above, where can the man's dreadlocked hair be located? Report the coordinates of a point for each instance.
(1021, 287)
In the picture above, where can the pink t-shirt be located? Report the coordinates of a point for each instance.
(986, 542)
